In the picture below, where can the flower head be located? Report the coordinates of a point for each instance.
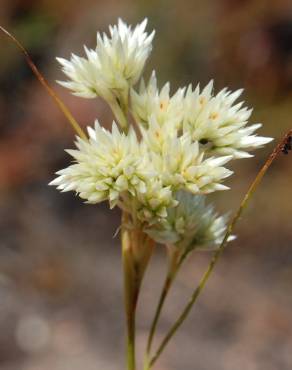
(218, 125)
(106, 166)
(191, 224)
(113, 66)
(180, 163)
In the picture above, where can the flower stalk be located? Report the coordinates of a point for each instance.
(120, 113)
(175, 261)
(137, 249)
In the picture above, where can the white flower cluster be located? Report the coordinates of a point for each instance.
(107, 165)
(212, 120)
(159, 176)
(192, 224)
(113, 66)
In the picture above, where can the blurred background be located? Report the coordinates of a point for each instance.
(60, 270)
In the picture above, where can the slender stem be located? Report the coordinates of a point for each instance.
(130, 291)
(130, 308)
(120, 113)
(131, 327)
(278, 149)
(137, 249)
(47, 86)
(166, 286)
(175, 262)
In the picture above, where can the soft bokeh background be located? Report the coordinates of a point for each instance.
(60, 273)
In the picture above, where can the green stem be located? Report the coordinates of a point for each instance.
(167, 284)
(120, 113)
(137, 249)
(131, 291)
(220, 250)
(175, 261)
(131, 327)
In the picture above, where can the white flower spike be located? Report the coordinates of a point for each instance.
(218, 125)
(106, 166)
(192, 224)
(114, 66)
(180, 163)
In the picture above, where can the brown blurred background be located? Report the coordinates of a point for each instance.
(60, 275)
